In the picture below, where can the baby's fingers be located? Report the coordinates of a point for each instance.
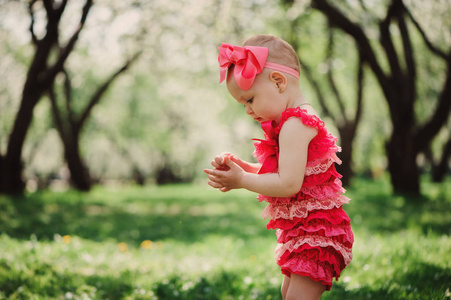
(219, 160)
(216, 185)
(215, 164)
(212, 175)
(224, 189)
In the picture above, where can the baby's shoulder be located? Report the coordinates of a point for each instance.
(295, 127)
(306, 118)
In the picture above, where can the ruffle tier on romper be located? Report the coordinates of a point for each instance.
(313, 232)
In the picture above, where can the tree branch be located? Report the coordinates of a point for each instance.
(316, 88)
(387, 43)
(363, 5)
(408, 53)
(309, 75)
(64, 52)
(426, 40)
(60, 9)
(101, 90)
(55, 112)
(339, 20)
(68, 97)
(425, 134)
(336, 92)
(48, 5)
(360, 77)
(446, 154)
(34, 39)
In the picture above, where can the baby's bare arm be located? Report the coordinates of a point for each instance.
(294, 139)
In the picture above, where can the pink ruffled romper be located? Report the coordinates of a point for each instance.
(313, 231)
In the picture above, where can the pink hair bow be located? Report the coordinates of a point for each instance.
(249, 61)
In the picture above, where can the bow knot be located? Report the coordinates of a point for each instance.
(249, 61)
(271, 145)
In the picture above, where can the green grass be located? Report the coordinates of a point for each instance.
(210, 245)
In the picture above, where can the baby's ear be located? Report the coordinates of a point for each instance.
(279, 80)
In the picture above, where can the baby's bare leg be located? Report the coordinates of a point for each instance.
(302, 287)
(285, 285)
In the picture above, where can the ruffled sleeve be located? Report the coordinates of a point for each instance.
(322, 148)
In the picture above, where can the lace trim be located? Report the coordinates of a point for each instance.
(323, 166)
(326, 191)
(322, 178)
(344, 231)
(315, 241)
(302, 208)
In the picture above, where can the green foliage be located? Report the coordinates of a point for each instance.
(168, 110)
(192, 242)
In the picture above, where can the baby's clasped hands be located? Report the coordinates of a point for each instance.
(227, 174)
(219, 161)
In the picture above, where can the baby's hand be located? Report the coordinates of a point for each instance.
(227, 174)
(219, 162)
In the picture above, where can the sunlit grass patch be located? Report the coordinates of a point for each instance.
(192, 242)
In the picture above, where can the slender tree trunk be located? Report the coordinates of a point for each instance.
(11, 181)
(79, 175)
(347, 135)
(40, 77)
(439, 170)
(70, 126)
(402, 165)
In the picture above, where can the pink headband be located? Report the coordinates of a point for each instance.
(249, 61)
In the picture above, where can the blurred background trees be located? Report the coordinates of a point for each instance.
(378, 73)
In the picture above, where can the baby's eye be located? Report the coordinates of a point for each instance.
(250, 100)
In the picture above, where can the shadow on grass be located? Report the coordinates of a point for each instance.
(374, 207)
(135, 218)
(223, 286)
(42, 280)
(425, 281)
(24, 216)
(54, 284)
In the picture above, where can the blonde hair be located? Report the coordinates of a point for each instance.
(280, 51)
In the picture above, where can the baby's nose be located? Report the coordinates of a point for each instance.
(249, 110)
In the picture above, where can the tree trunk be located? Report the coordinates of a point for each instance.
(40, 77)
(69, 128)
(399, 88)
(11, 181)
(402, 165)
(79, 175)
(439, 170)
(347, 134)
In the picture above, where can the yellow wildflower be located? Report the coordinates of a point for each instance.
(66, 239)
(122, 247)
(147, 244)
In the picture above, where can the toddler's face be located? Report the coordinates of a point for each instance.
(262, 101)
